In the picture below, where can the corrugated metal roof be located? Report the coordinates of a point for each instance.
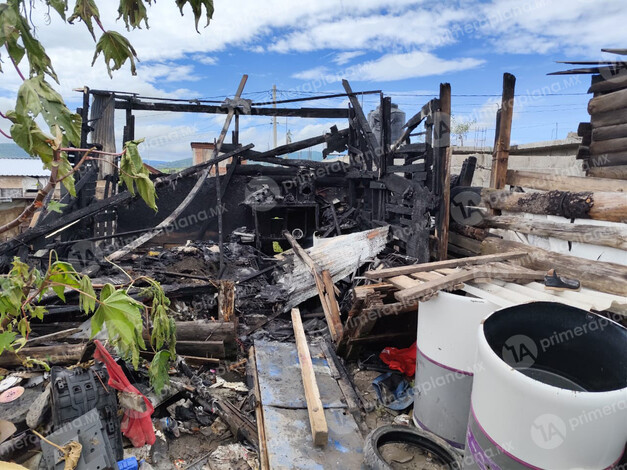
(22, 167)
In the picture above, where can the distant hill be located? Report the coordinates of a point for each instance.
(160, 164)
(12, 150)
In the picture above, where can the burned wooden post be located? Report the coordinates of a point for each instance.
(500, 155)
(102, 117)
(442, 168)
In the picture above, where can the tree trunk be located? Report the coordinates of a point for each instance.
(548, 182)
(609, 102)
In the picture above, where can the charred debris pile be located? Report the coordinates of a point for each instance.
(286, 278)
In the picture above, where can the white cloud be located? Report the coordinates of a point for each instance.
(345, 57)
(392, 67)
(205, 59)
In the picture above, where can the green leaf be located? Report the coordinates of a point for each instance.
(27, 134)
(115, 48)
(87, 296)
(24, 327)
(63, 275)
(85, 10)
(122, 316)
(158, 371)
(134, 175)
(56, 206)
(146, 190)
(38, 60)
(133, 12)
(6, 339)
(197, 6)
(59, 5)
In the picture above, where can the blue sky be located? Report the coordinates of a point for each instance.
(403, 47)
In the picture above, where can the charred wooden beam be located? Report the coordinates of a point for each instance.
(608, 146)
(427, 110)
(373, 149)
(501, 151)
(442, 168)
(609, 102)
(580, 205)
(609, 118)
(616, 131)
(611, 84)
(609, 172)
(320, 113)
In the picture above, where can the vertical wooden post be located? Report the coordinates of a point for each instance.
(102, 117)
(226, 301)
(442, 145)
(500, 155)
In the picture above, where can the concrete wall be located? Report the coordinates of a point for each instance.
(552, 157)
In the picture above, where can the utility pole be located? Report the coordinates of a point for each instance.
(274, 117)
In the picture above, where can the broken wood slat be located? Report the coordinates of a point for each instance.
(615, 237)
(587, 205)
(191, 360)
(618, 172)
(318, 422)
(429, 288)
(413, 168)
(326, 113)
(598, 275)
(404, 282)
(548, 182)
(261, 426)
(609, 102)
(396, 209)
(454, 263)
(468, 243)
(372, 145)
(61, 354)
(326, 290)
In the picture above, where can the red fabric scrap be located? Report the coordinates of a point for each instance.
(136, 425)
(403, 360)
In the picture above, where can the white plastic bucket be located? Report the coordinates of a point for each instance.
(446, 351)
(549, 392)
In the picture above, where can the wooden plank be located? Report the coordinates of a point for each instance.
(500, 156)
(318, 422)
(414, 122)
(202, 348)
(404, 282)
(453, 263)
(611, 84)
(34, 341)
(261, 425)
(587, 205)
(429, 288)
(326, 294)
(608, 159)
(614, 236)
(599, 275)
(549, 182)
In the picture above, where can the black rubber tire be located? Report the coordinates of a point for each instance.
(406, 434)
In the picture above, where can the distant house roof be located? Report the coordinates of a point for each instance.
(22, 167)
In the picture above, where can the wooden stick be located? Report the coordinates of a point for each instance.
(453, 263)
(318, 422)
